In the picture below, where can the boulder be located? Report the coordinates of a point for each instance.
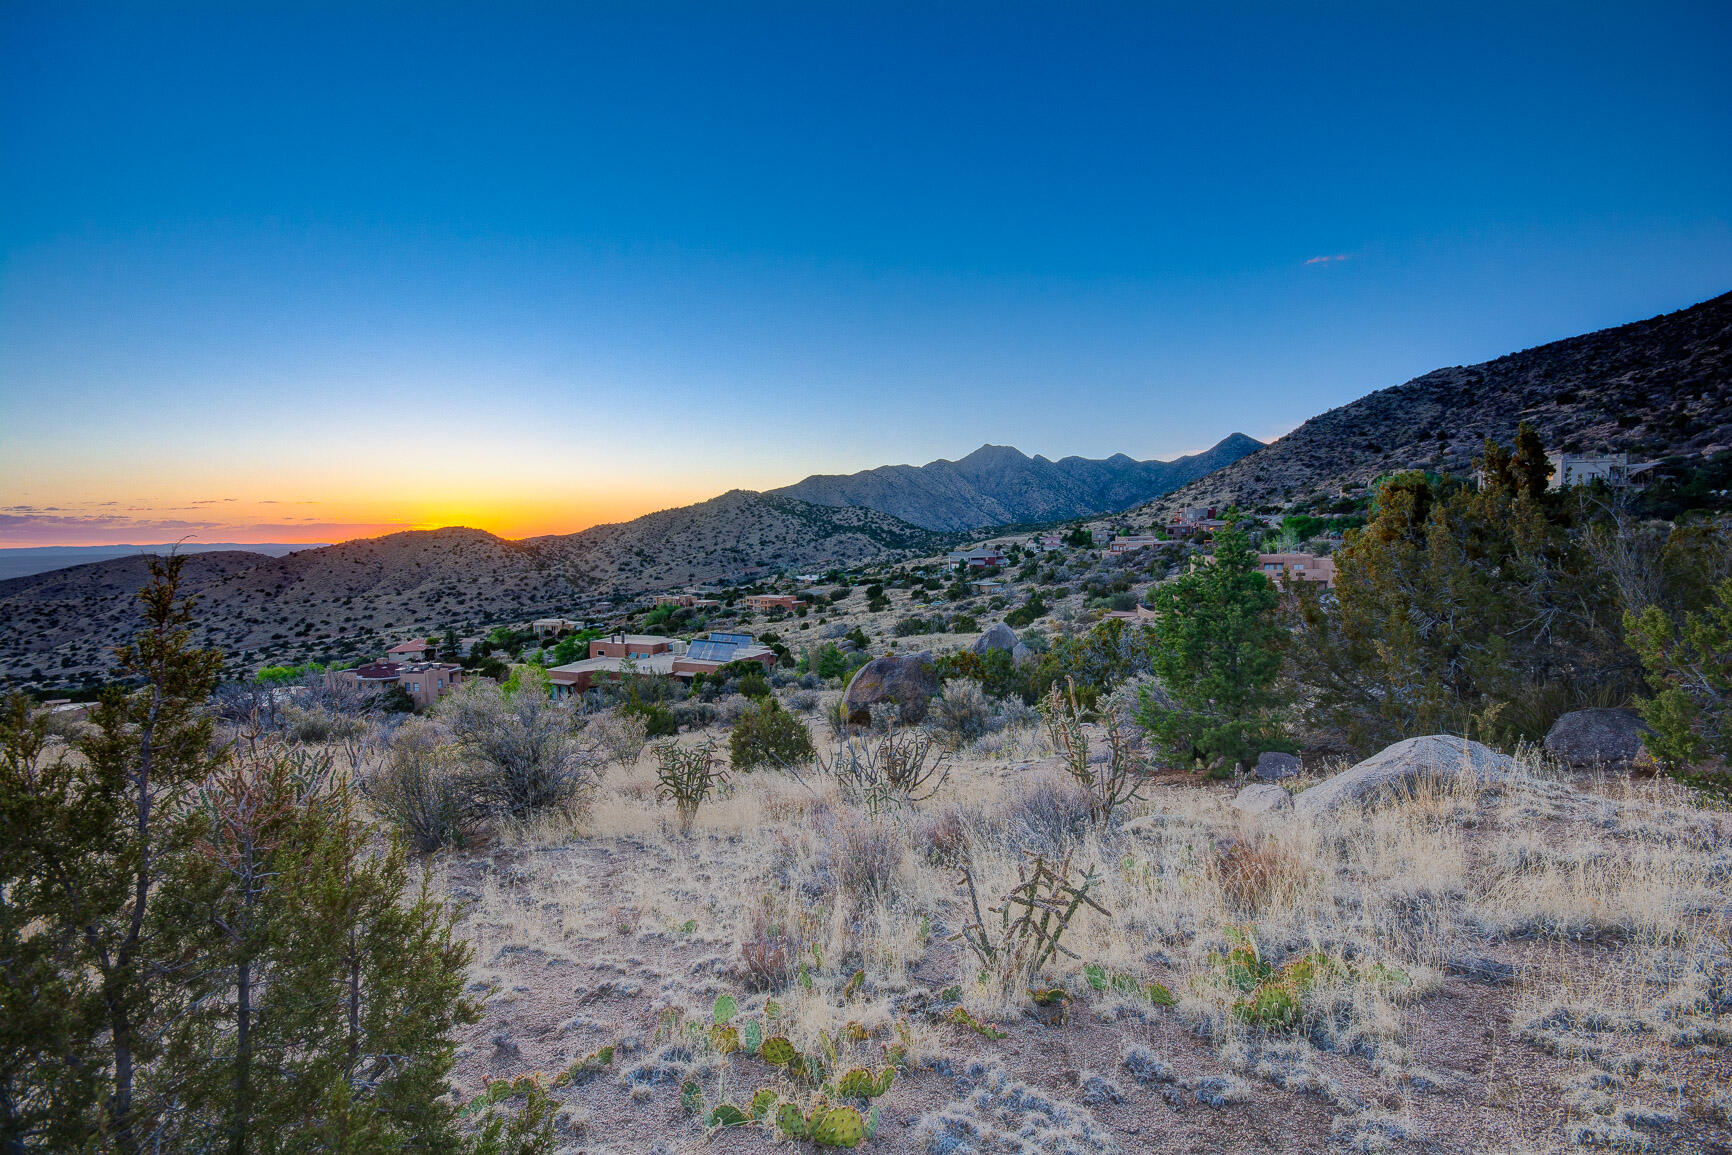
(998, 637)
(1262, 798)
(1597, 738)
(908, 680)
(1272, 766)
(1021, 655)
(1443, 759)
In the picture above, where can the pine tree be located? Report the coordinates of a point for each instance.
(1217, 650)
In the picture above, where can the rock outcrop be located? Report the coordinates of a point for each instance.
(1261, 798)
(1397, 771)
(997, 637)
(1597, 738)
(1272, 766)
(908, 680)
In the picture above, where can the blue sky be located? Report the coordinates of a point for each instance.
(535, 266)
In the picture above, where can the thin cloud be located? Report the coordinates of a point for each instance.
(1329, 259)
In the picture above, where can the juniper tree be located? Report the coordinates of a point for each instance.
(1217, 646)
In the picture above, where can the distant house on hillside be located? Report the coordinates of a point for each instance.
(1303, 567)
(1191, 520)
(687, 601)
(424, 682)
(410, 651)
(767, 602)
(656, 657)
(977, 558)
(1615, 469)
(1131, 542)
(548, 627)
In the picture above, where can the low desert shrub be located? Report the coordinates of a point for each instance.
(522, 750)
(1256, 876)
(963, 710)
(754, 686)
(964, 624)
(767, 735)
(942, 837)
(622, 736)
(865, 856)
(768, 950)
(417, 788)
(1045, 812)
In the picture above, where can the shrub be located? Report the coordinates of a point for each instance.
(963, 710)
(417, 789)
(755, 686)
(866, 856)
(964, 624)
(1028, 613)
(908, 627)
(767, 735)
(900, 768)
(623, 736)
(1046, 812)
(523, 752)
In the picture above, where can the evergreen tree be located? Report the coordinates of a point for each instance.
(1217, 649)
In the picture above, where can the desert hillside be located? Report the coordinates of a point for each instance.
(1652, 388)
(352, 598)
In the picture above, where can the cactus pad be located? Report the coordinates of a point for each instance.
(840, 1127)
(777, 1051)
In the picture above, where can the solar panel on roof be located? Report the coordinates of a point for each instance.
(711, 651)
(731, 639)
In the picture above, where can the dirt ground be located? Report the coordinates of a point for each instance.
(1539, 967)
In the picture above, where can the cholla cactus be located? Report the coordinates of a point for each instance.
(687, 776)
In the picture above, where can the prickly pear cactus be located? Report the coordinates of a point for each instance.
(840, 1127)
(856, 1084)
(777, 1051)
(724, 1011)
(751, 1037)
(882, 1083)
(724, 1039)
(790, 1122)
(763, 1101)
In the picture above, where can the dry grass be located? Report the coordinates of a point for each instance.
(1604, 898)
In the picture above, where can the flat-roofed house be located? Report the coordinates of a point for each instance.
(977, 558)
(620, 645)
(709, 654)
(768, 602)
(1303, 567)
(424, 682)
(1614, 469)
(1132, 541)
(548, 627)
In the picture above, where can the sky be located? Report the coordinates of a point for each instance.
(308, 272)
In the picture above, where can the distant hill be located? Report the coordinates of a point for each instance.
(1000, 485)
(1655, 389)
(349, 599)
(21, 561)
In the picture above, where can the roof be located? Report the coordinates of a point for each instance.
(378, 671)
(408, 647)
(731, 639)
(648, 664)
(708, 651)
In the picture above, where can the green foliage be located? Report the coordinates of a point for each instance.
(964, 624)
(1217, 650)
(1100, 979)
(286, 675)
(767, 735)
(222, 965)
(1689, 670)
(1079, 538)
(755, 685)
(1095, 663)
(1028, 613)
(1457, 606)
(1274, 999)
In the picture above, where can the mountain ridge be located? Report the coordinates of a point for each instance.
(1000, 485)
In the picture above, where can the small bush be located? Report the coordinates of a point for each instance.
(621, 735)
(866, 856)
(1046, 813)
(963, 710)
(767, 735)
(417, 788)
(522, 749)
(755, 686)
(804, 700)
(964, 624)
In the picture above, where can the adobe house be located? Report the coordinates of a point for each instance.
(1303, 567)
(424, 682)
(621, 645)
(767, 602)
(415, 650)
